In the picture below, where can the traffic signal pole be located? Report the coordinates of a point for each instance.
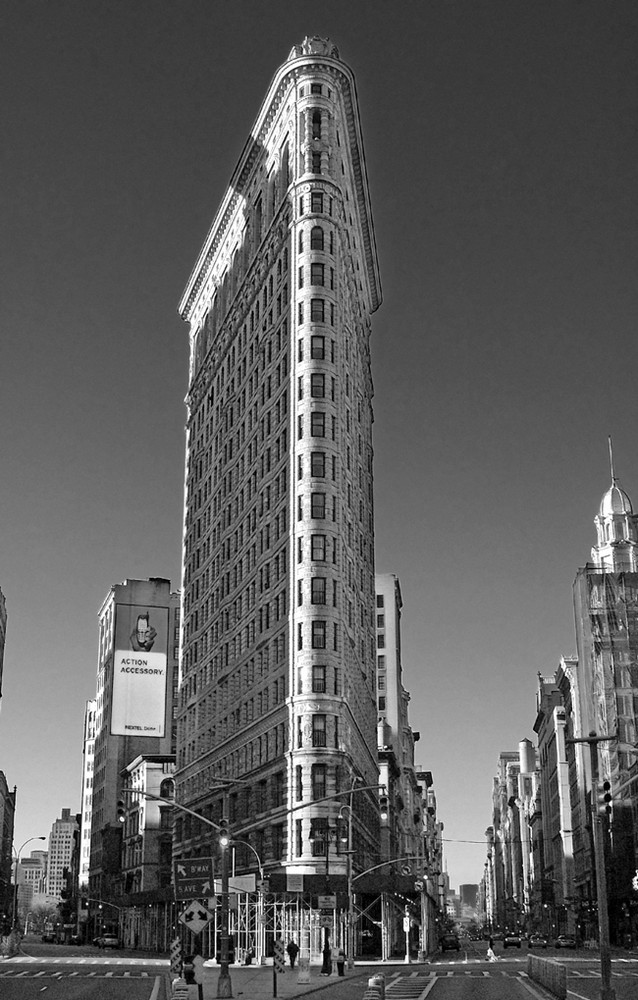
(607, 991)
(224, 984)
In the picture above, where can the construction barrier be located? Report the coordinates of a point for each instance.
(549, 974)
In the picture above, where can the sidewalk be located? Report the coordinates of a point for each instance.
(255, 982)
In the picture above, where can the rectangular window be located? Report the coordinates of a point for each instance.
(318, 464)
(300, 282)
(317, 424)
(317, 347)
(318, 548)
(298, 838)
(317, 274)
(316, 201)
(300, 312)
(318, 634)
(299, 783)
(317, 504)
(317, 311)
(318, 590)
(318, 781)
(318, 730)
(317, 385)
(318, 678)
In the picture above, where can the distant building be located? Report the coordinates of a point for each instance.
(601, 694)
(31, 877)
(469, 895)
(7, 818)
(133, 716)
(88, 760)
(402, 833)
(61, 843)
(147, 852)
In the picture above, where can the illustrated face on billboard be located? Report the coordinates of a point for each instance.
(139, 671)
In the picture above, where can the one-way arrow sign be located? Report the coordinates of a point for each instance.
(193, 878)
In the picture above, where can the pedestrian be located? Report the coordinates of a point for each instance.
(293, 951)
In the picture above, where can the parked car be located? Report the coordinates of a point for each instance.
(450, 942)
(107, 941)
(537, 941)
(512, 939)
(565, 941)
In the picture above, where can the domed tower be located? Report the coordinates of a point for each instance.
(616, 550)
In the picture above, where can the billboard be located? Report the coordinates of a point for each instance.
(140, 668)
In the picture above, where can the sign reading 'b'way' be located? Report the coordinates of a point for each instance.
(194, 878)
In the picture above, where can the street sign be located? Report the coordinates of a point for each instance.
(327, 902)
(195, 917)
(193, 878)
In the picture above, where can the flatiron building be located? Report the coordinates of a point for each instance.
(277, 704)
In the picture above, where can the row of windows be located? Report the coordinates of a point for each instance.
(320, 507)
(318, 312)
(319, 630)
(320, 274)
(317, 241)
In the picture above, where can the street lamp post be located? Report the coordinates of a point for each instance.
(15, 886)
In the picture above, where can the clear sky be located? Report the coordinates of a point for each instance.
(501, 146)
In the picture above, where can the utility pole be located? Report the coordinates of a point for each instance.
(607, 991)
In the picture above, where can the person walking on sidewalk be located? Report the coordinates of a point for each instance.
(293, 951)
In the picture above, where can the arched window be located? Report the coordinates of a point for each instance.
(167, 788)
(316, 238)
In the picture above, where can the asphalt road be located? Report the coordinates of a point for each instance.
(59, 972)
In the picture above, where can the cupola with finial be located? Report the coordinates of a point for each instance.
(616, 550)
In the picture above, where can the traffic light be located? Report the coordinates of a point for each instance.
(605, 797)
(224, 836)
(121, 811)
(383, 807)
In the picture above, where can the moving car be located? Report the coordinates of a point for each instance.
(565, 941)
(512, 939)
(537, 941)
(450, 942)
